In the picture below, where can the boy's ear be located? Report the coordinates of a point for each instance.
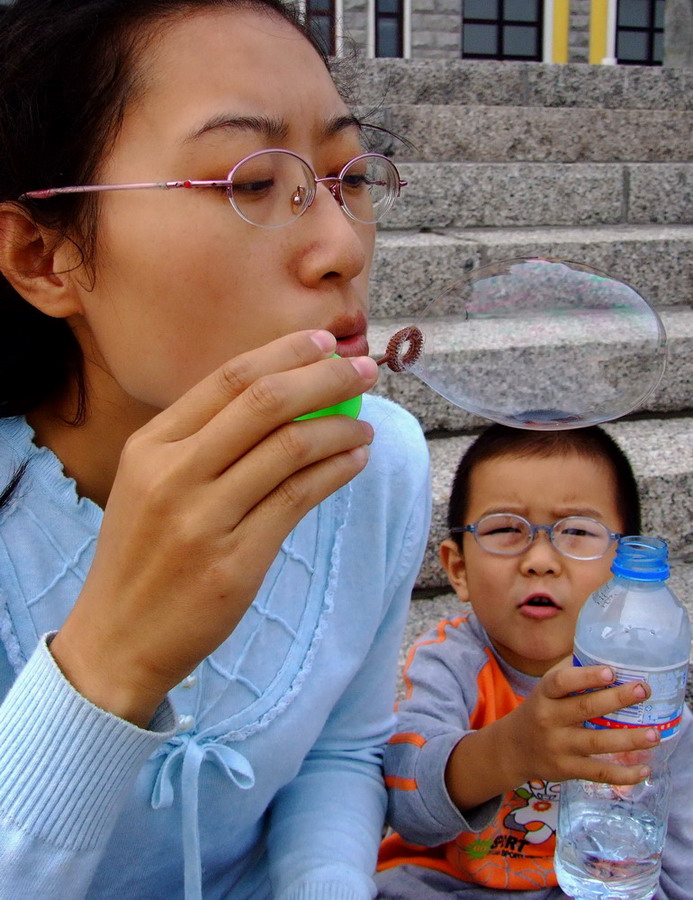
(453, 562)
(36, 263)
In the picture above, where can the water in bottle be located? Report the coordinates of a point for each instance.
(610, 837)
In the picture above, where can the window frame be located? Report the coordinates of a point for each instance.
(500, 23)
(400, 17)
(651, 30)
(329, 15)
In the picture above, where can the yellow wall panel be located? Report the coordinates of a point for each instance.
(599, 24)
(561, 27)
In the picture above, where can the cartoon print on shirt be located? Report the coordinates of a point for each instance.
(537, 818)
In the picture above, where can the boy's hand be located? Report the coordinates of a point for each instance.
(545, 738)
(553, 744)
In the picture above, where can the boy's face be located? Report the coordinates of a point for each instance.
(509, 594)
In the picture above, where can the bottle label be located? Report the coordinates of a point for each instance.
(604, 595)
(661, 710)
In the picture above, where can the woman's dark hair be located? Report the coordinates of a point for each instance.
(591, 443)
(68, 68)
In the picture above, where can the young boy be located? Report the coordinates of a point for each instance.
(492, 719)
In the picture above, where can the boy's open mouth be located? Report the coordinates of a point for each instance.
(539, 606)
(540, 601)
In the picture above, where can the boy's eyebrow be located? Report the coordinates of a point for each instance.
(267, 126)
(583, 511)
(560, 512)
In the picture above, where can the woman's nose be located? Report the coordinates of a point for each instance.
(541, 557)
(331, 244)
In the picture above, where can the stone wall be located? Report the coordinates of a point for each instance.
(678, 33)
(356, 25)
(579, 32)
(436, 29)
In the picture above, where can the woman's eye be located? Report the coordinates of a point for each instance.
(253, 187)
(355, 180)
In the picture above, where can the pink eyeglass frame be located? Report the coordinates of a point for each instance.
(227, 182)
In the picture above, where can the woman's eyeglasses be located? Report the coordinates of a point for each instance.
(272, 188)
(506, 534)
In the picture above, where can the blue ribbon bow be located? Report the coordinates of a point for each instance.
(193, 751)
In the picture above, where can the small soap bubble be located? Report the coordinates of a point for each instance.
(536, 343)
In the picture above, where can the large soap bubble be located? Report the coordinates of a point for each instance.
(536, 343)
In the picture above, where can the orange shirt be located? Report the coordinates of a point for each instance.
(515, 850)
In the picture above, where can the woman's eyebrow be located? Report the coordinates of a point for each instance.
(341, 123)
(271, 128)
(263, 125)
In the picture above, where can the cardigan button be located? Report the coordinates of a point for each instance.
(189, 681)
(186, 723)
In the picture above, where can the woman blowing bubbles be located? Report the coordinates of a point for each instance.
(202, 598)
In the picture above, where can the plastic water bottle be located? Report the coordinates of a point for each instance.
(610, 838)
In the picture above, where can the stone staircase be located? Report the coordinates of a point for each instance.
(503, 160)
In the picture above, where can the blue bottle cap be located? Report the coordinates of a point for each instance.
(642, 558)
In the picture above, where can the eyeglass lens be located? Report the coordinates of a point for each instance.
(271, 189)
(580, 538)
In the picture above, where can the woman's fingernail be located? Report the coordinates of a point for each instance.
(361, 454)
(324, 340)
(369, 433)
(652, 734)
(607, 674)
(639, 691)
(364, 365)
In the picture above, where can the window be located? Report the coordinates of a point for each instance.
(320, 18)
(502, 29)
(389, 28)
(640, 32)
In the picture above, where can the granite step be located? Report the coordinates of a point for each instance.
(410, 269)
(495, 349)
(529, 194)
(543, 134)
(661, 453)
(373, 82)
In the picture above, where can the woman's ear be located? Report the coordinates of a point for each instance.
(453, 562)
(36, 263)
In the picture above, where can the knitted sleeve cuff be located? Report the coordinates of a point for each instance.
(67, 765)
(334, 882)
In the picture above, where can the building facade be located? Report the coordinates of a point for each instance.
(630, 32)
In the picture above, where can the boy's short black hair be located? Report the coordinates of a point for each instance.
(591, 442)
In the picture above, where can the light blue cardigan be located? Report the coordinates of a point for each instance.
(261, 775)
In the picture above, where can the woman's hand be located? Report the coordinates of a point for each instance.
(204, 495)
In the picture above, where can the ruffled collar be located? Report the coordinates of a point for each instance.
(47, 469)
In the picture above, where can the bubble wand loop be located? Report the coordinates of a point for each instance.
(393, 358)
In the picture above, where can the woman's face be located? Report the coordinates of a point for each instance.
(181, 282)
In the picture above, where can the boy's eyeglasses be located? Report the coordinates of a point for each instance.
(506, 534)
(272, 188)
